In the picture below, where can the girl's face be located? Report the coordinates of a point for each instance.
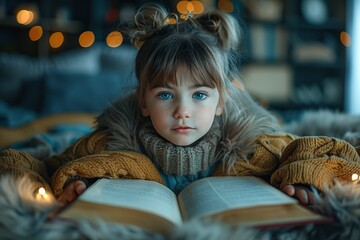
(182, 113)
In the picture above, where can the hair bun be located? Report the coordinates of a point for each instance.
(148, 18)
(222, 25)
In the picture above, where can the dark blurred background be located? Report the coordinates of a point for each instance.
(298, 55)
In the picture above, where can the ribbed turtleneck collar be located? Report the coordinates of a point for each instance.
(180, 160)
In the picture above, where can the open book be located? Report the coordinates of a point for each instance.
(152, 206)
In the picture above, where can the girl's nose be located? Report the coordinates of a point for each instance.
(182, 111)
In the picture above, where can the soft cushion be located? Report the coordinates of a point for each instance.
(83, 93)
(77, 80)
(17, 70)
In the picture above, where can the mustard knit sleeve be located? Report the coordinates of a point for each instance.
(92, 143)
(19, 164)
(264, 160)
(87, 158)
(108, 164)
(316, 161)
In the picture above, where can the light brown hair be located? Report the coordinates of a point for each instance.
(203, 45)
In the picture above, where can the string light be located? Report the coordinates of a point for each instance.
(186, 7)
(86, 39)
(56, 39)
(345, 39)
(114, 39)
(226, 6)
(42, 195)
(354, 177)
(35, 33)
(182, 7)
(171, 20)
(42, 191)
(198, 7)
(24, 17)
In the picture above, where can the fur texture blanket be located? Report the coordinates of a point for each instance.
(326, 123)
(22, 216)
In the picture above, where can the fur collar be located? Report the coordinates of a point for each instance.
(123, 120)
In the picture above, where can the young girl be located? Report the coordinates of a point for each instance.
(189, 119)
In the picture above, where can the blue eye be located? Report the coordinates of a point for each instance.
(199, 96)
(165, 96)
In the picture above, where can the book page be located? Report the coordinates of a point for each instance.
(215, 194)
(137, 194)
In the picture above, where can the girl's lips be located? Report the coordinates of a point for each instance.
(182, 129)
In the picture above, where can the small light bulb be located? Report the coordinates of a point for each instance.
(354, 177)
(42, 191)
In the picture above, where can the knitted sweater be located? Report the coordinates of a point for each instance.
(118, 148)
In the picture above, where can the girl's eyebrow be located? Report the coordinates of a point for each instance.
(198, 86)
(172, 86)
(162, 86)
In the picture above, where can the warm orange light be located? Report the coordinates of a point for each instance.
(198, 7)
(182, 7)
(43, 196)
(185, 7)
(25, 17)
(171, 20)
(35, 33)
(56, 39)
(190, 7)
(226, 6)
(42, 191)
(86, 39)
(114, 39)
(345, 39)
(354, 177)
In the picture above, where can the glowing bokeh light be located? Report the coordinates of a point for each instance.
(190, 7)
(114, 39)
(182, 7)
(171, 20)
(226, 6)
(35, 33)
(56, 39)
(198, 7)
(185, 7)
(24, 17)
(42, 191)
(354, 177)
(86, 39)
(345, 39)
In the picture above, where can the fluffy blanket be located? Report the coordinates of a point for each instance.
(326, 123)
(23, 216)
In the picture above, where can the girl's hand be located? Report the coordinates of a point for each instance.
(72, 191)
(301, 192)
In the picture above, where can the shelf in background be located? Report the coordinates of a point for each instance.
(312, 52)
